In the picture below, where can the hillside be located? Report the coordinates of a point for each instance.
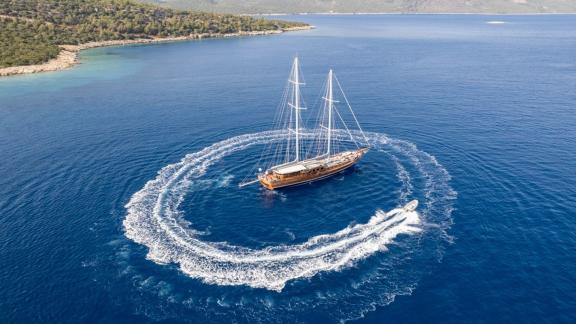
(366, 6)
(32, 31)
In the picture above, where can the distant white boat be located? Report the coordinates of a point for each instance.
(496, 22)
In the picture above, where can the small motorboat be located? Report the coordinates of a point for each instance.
(411, 206)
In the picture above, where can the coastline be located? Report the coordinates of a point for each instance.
(69, 54)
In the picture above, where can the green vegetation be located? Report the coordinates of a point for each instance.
(31, 30)
(25, 43)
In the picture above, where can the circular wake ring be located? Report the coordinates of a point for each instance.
(154, 220)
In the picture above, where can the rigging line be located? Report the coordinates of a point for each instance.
(289, 137)
(346, 127)
(313, 143)
(352, 111)
(277, 124)
(276, 121)
(321, 117)
(317, 100)
(278, 118)
(323, 138)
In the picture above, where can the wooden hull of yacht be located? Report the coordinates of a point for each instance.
(313, 170)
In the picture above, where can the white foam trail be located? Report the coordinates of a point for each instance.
(404, 177)
(154, 220)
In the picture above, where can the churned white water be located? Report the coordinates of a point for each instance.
(154, 220)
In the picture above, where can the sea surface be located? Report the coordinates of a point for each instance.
(119, 198)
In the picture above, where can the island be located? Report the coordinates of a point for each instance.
(47, 35)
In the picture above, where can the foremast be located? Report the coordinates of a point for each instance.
(295, 104)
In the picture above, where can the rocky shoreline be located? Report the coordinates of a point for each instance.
(68, 55)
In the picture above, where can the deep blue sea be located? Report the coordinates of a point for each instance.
(118, 179)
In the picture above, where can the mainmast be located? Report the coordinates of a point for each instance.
(330, 106)
(295, 80)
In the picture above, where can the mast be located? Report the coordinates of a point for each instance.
(330, 103)
(295, 80)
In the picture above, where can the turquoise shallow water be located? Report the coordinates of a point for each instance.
(475, 120)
